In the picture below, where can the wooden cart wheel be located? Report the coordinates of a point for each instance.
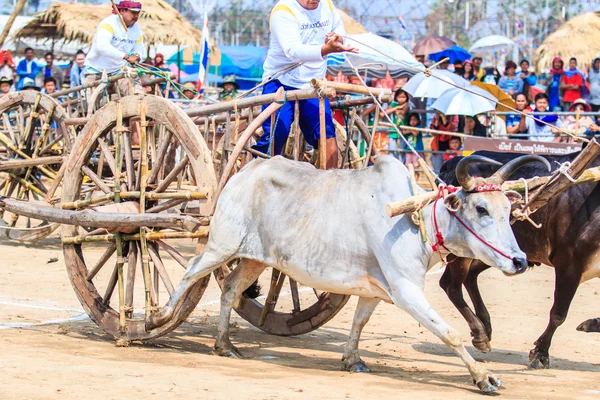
(33, 142)
(121, 276)
(301, 318)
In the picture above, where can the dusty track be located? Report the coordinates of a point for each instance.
(75, 359)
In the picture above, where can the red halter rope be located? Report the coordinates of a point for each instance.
(438, 234)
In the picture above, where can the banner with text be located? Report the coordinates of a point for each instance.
(472, 144)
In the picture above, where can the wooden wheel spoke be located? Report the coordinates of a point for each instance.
(129, 164)
(173, 253)
(295, 295)
(112, 283)
(171, 176)
(160, 157)
(108, 157)
(103, 259)
(277, 280)
(160, 268)
(131, 271)
(96, 179)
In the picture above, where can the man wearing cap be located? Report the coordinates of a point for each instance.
(118, 42)
(302, 31)
(230, 88)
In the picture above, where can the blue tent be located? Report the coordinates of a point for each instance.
(245, 62)
(454, 53)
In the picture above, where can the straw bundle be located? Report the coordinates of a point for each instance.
(160, 23)
(577, 38)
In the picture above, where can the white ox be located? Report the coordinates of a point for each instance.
(329, 230)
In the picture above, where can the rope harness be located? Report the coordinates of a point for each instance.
(439, 244)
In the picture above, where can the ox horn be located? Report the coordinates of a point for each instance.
(513, 165)
(462, 170)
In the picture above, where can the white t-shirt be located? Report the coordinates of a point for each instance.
(541, 133)
(297, 35)
(112, 43)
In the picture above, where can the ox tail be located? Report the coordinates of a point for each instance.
(253, 291)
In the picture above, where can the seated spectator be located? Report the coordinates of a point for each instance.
(398, 110)
(454, 150)
(76, 73)
(27, 68)
(415, 139)
(441, 122)
(577, 124)
(5, 85)
(29, 84)
(467, 71)
(511, 83)
(458, 67)
(49, 85)
(490, 75)
(541, 129)
(554, 80)
(52, 70)
(572, 84)
(513, 120)
(474, 127)
(230, 88)
(594, 80)
(189, 93)
(528, 77)
(8, 68)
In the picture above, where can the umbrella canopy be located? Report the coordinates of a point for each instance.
(503, 98)
(160, 23)
(433, 44)
(459, 102)
(454, 53)
(491, 43)
(422, 85)
(365, 43)
(577, 38)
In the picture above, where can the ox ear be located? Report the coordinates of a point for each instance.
(452, 202)
(513, 196)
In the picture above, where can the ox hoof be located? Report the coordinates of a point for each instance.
(539, 359)
(591, 325)
(358, 367)
(230, 352)
(483, 345)
(489, 385)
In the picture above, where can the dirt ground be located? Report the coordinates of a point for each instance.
(51, 350)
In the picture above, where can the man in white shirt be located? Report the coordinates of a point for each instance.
(302, 31)
(539, 131)
(115, 46)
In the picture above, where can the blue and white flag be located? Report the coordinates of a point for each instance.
(204, 50)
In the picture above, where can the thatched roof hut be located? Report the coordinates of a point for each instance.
(160, 23)
(352, 26)
(577, 38)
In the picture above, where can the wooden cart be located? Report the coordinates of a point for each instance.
(136, 179)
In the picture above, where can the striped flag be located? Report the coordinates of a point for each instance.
(518, 24)
(203, 69)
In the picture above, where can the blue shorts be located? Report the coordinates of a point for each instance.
(309, 121)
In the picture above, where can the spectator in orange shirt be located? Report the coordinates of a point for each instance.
(571, 84)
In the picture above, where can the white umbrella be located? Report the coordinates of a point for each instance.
(460, 102)
(370, 48)
(491, 43)
(433, 86)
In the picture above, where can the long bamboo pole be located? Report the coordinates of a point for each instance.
(11, 20)
(416, 202)
(322, 135)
